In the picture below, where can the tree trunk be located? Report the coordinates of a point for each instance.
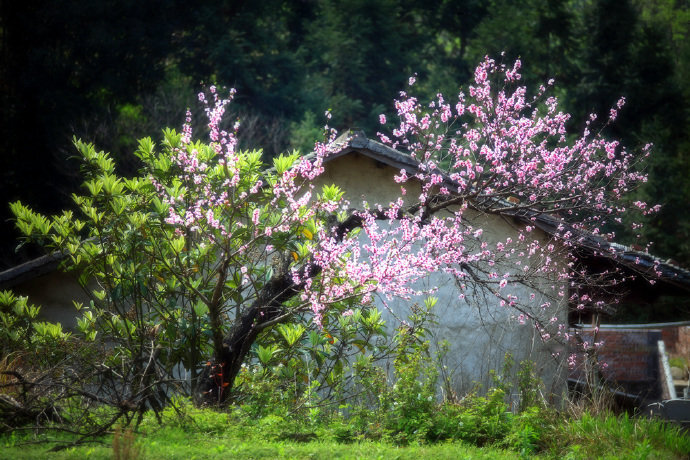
(218, 377)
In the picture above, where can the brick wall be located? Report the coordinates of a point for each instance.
(677, 340)
(629, 357)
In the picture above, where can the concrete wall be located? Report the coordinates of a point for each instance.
(54, 292)
(479, 331)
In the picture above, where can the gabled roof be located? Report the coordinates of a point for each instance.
(357, 141)
(29, 270)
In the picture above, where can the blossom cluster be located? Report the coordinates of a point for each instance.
(498, 151)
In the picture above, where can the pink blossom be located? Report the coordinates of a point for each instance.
(255, 217)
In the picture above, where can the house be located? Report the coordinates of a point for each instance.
(478, 331)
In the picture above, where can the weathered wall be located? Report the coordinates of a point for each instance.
(479, 331)
(54, 292)
(677, 340)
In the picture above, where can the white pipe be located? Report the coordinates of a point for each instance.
(668, 378)
(635, 326)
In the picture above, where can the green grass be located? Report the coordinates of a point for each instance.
(610, 436)
(175, 443)
(678, 361)
(207, 434)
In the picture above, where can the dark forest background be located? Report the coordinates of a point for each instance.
(111, 71)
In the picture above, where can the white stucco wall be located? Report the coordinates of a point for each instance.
(479, 331)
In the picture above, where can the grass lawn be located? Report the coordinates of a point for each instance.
(207, 434)
(177, 444)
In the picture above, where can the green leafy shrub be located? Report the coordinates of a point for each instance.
(21, 330)
(479, 420)
(181, 413)
(298, 367)
(531, 430)
(413, 396)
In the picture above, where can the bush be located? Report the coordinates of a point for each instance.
(479, 420)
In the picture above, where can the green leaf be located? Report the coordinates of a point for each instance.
(145, 148)
(171, 138)
(331, 193)
(133, 184)
(430, 302)
(178, 244)
(94, 186)
(118, 205)
(200, 309)
(160, 207)
(282, 162)
(6, 298)
(112, 185)
(291, 332)
(50, 330)
(266, 353)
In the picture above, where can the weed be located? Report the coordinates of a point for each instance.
(125, 446)
(529, 386)
(9, 364)
(630, 437)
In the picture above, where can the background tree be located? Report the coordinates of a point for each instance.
(292, 61)
(63, 63)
